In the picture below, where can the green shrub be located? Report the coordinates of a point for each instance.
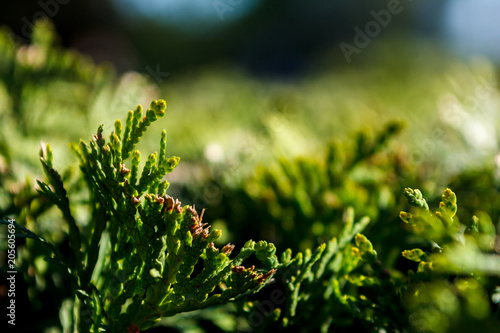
(150, 243)
(121, 254)
(141, 256)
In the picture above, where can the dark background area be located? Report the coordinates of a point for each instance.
(277, 38)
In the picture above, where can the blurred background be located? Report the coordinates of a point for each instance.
(213, 59)
(280, 78)
(268, 38)
(278, 109)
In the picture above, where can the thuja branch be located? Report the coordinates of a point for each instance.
(152, 243)
(58, 196)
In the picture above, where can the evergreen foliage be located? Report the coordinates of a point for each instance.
(150, 243)
(122, 254)
(303, 200)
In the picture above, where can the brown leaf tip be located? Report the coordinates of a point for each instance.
(133, 329)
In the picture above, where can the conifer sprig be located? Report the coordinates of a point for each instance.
(159, 258)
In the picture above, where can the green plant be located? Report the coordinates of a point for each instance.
(341, 285)
(142, 256)
(47, 91)
(299, 203)
(44, 91)
(114, 265)
(310, 194)
(455, 286)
